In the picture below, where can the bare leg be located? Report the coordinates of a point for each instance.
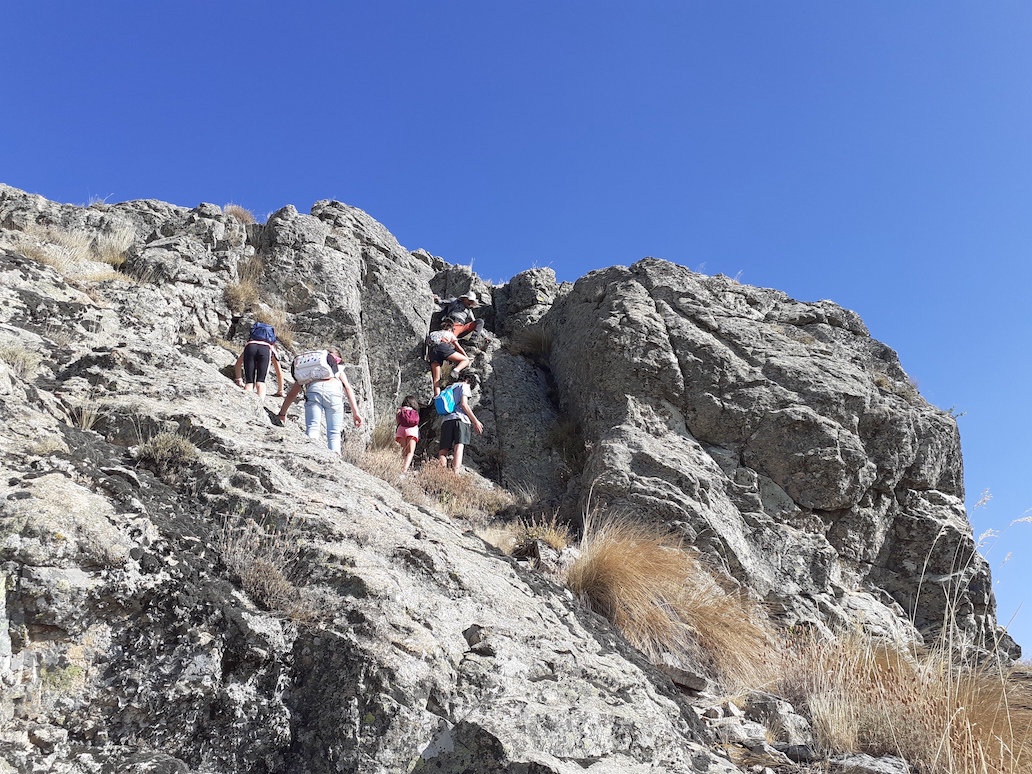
(458, 362)
(442, 457)
(260, 389)
(435, 377)
(407, 450)
(457, 456)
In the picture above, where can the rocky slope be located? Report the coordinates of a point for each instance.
(777, 436)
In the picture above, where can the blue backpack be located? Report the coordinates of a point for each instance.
(263, 332)
(445, 402)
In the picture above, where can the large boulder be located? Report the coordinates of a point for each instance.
(776, 435)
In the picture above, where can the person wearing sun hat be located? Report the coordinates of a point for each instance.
(460, 310)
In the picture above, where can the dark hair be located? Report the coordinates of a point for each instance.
(447, 322)
(411, 401)
(468, 376)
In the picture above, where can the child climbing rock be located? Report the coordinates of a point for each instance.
(455, 429)
(443, 345)
(407, 433)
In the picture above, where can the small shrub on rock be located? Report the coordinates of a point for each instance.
(23, 362)
(169, 455)
(265, 559)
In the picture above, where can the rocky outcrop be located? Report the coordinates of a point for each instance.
(777, 436)
(260, 605)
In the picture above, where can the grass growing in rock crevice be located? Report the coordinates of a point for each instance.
(664, 602)
(169, 455)
(265, 559)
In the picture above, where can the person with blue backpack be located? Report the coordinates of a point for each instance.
(459, 419)
(252, 367)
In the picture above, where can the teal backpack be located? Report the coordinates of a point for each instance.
(445, 402)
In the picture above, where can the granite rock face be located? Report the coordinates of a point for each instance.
(777, 436)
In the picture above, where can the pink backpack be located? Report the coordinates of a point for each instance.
(408, 417)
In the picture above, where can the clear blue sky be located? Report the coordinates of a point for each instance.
(878, 154)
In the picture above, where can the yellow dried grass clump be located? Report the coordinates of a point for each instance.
(277, 318)
(663, 601)
(242, 214)
(942, 717)
(68, 250)
(552, 532)
(23, 362)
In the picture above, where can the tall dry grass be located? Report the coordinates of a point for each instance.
(664, 602)
(67, 250)
(941, 716)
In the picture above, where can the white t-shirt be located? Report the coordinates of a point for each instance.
(459, 390)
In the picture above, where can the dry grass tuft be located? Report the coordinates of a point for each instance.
(46, 446)
(244, 294)
(242, 214)
(533, 342)
(85, 415)
(265, 559)
(382, 436)
(382, 463)
(456, 495)
(113, 247)
(663, 601)
(502, 535)
(169, 455)
(277, 318)
(241, 296)
(23, 362)
(430, 485)
(944, 718)
(551, 532)
(567, 439)
(67, 251)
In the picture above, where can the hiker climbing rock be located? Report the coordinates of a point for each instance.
(325, 385)
(460, 310)
(455, 428)
(443, 345)
(252, 367)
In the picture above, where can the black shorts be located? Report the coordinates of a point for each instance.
(256, 362)
(441, 352)
(454, 431)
